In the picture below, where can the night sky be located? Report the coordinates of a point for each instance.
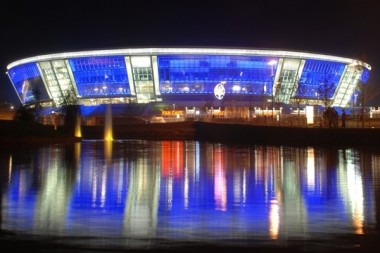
(349, 28)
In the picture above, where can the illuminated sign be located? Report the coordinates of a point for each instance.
(172, 112)
(310, 114)
(219, 91)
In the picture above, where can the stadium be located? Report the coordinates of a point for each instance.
(179, 83)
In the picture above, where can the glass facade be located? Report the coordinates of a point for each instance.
(201, 73)
(27, 82)
(174, 75)
(56, 75)
(319, 75)
(100, 76)
(365, 76)
(143, 78)
(346, 88)
(286, 84)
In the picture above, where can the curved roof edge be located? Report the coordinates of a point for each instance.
(213, 51)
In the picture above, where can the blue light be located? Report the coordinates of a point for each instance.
(318, 73)
(100, 76)
(200, 73)
(25, 79)
(365, 76)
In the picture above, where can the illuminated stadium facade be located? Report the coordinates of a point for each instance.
(188, 77)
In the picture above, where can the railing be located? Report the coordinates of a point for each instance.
(294, 121)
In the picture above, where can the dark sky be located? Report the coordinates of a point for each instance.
(349, 28)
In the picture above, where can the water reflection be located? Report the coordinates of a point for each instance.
(189, 191)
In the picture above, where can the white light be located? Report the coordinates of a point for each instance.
(236, 88)
(140, 61)
(310, 114)
(212, 51)
(272, 62)
(219, 91)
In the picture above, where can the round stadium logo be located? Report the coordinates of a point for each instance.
(219, 91)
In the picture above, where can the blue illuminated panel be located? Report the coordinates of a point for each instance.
(316, 74)
(100, 76)
(27, 79)
(365, 76)
(200, 73)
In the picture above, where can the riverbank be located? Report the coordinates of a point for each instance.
(281, 135)
(184, 130)
(241, 134)
(28, 133)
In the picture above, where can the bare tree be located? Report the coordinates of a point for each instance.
(37, 102)
(367, 91)
(71, 110)
(325, 91)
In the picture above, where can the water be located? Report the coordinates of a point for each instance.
(132, 194)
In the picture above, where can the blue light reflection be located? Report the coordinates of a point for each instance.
(189, 191)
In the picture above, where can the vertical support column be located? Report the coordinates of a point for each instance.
(130, 75)
(72, 79)
(14, 87)
(156, 80)
(277, 76)
(346, 86)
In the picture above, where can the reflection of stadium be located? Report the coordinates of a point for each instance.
(191, 191)
(189, 78)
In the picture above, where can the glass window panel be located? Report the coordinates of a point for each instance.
(28, 82)
(200, 73)
(318, 74)
(365, 76)
(100, 76)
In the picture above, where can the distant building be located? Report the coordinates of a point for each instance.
(188, 78)
(7, 111)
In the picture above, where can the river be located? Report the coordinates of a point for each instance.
(139, 194)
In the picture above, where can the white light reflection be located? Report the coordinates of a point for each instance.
(169, 193)
(355, 195)
(274, 219)
(52, 200)
(244, 186)
(94, 186)
(237, 187)
(220, 184)
(310, 169)
(197, 161)
(103, 190)
(140, 213)
(186, 189)
(10, 169)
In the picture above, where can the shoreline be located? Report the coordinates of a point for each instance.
(17, 133)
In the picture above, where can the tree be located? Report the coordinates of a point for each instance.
(71, 110)
(324, 91)
(24, 113)
(367, 91)
(37, 97)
